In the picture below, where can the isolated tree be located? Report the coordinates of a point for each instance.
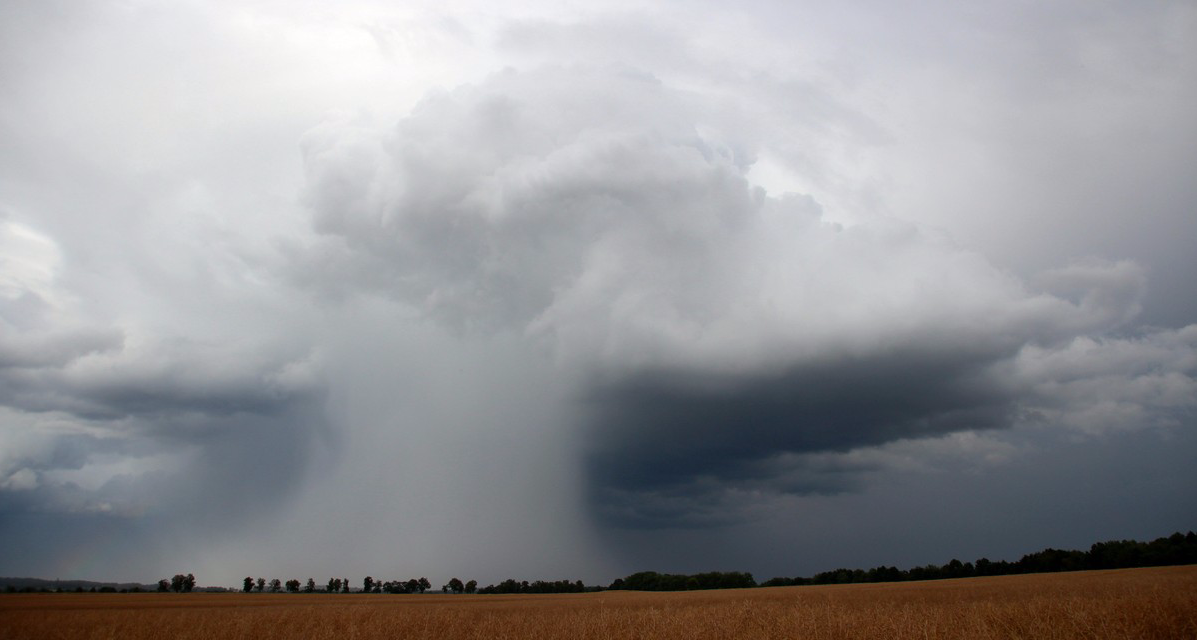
(310, 587)
(293, 586)
(456, 585)
(471, 586)
(189, 583)
(179, 583)
(424, 584)
(163, 585)
(368, 584)
(249, 584)
(345, 585)
(276, 585)
(261, 585)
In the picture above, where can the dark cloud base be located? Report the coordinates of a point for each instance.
(243, 468)
(661, 444)
(1063, 493)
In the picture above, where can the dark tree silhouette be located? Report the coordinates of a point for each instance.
(539, 586)
(1176, 549)
(249, 584)
(181, 583)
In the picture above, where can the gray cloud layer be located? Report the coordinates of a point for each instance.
(719, 327)
(579, 291)
(104, 424)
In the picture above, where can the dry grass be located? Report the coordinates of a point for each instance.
(1134, 603)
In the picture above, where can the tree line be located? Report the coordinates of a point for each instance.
(1176, 549)
(179, 584)
(539, 586)
(653, 581)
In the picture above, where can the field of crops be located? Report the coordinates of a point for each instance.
(1130, 603)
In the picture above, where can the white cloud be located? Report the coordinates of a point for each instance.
(585, 208)
(39, 322)
(1095, 385)
(22, 479)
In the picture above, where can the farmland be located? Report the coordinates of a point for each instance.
(1128, 603)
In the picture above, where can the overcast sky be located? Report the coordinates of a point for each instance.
(557, 290)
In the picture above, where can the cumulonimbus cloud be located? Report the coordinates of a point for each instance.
(82, 397)
(609, 217)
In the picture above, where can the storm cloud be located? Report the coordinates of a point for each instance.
(715, 327)
(107, 424)
(425, 289)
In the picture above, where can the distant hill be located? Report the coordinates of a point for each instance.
(38, 584)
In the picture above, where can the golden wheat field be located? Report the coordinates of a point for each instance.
(1132, 603)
